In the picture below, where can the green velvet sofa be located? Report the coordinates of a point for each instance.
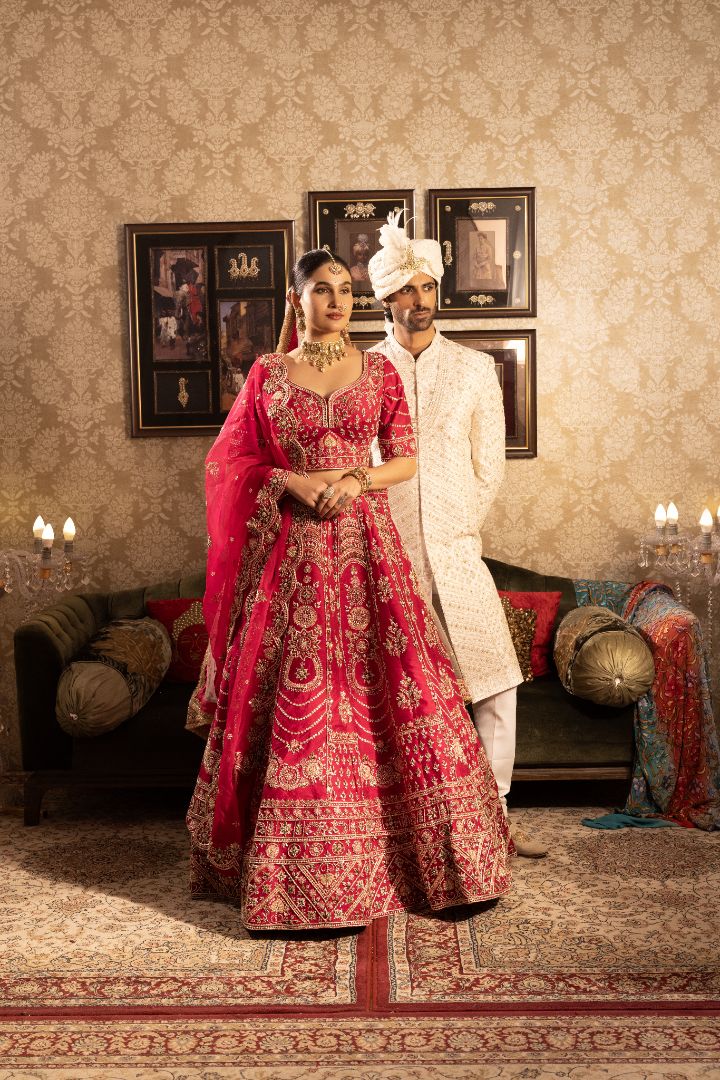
(558, 737)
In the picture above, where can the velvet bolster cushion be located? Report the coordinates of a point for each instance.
(602, 659)
(113, 677)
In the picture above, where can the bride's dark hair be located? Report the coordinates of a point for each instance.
(308, 263)
(300, 274)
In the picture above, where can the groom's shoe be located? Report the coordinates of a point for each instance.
(525, 846)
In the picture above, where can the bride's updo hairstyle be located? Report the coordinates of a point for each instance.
(300, 274)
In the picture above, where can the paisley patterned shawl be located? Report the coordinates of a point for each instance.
(677, 758)
(246, 472)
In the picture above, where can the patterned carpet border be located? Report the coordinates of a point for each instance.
(137, 996)
(245, 1042)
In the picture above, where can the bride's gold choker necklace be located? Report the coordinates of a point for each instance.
(322, 354)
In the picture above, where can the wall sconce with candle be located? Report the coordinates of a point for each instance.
(45, 569)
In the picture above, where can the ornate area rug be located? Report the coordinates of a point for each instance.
(602, 962)
(97, 915)
(626, 916)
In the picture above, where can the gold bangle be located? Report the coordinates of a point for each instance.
(362, 476)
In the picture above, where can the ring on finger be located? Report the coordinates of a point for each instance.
(328, 493)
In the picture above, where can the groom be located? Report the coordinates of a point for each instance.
(456, 404)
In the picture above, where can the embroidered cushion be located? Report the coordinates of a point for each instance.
(546, 604)
(602, 659)
(522, 623)
(183, 620)
(113, 677)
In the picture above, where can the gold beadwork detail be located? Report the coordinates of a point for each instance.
(244, 269)
(322, 354)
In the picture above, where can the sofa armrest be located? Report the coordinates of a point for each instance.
(44, 646)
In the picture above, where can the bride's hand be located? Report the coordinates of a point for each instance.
(306, 489)
(344, 491)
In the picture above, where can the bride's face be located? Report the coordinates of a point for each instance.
(326, 301)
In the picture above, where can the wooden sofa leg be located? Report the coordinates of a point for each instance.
(32, 796)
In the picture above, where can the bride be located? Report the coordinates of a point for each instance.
(342, 779)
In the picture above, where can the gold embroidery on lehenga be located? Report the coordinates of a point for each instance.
(384, 588)
(409, 693)
(282, 774)
(395, 641)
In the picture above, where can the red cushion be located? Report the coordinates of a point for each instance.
(546, 604)
(183, 620)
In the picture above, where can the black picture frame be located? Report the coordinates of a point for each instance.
(340, 218)
(204, 299)
(514, 354)
(487, 236)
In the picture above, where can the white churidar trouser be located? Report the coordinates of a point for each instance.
(494, 717)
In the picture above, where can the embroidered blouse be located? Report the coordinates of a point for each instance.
(337, 432)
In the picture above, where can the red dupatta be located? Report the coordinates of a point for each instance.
(245, 476)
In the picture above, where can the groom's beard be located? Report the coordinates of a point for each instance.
(416, 319)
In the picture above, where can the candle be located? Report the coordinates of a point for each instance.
(69, 537)
(660, 516)
(47, 542)
(39, 525)
(672, 514)
(706, 525)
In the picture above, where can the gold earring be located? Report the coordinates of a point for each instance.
(300, 319)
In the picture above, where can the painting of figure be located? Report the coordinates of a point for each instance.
(481, 255)
(179, 280)
(245, 332)
(356, 243)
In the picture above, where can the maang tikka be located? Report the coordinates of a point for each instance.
(335, 267)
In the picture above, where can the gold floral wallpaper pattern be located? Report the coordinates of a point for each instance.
(150, 110)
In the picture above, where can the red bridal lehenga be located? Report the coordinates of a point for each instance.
(343, 778)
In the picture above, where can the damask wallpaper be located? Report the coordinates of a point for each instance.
(143, 110)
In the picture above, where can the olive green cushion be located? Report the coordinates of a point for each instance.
(113, 677)
(602, 659)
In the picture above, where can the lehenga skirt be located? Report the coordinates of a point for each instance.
(362, 787)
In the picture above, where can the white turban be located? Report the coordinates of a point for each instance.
(400, 259)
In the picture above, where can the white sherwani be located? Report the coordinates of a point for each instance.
(456, 406)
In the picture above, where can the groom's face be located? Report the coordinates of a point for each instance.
(414, 305)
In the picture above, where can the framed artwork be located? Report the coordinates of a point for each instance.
(514, 354)
(487, 236)
(349, 223)
(204, 301)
